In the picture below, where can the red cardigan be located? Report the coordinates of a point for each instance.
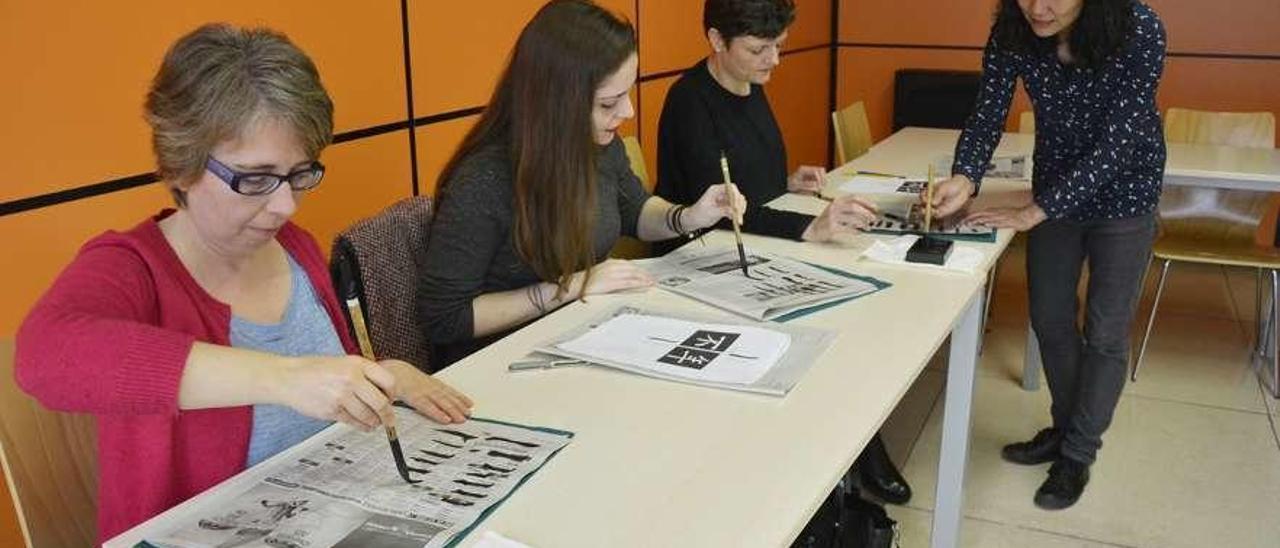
(111, 338)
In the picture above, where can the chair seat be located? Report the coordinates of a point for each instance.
(1237, 254)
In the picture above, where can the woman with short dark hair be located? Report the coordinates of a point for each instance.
(207, 339)
(540, 189)
(1091, 68)
(719, 105)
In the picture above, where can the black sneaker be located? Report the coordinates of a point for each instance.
(1064, 486)
(1041, 449)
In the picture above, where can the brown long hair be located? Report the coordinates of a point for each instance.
(541, 108)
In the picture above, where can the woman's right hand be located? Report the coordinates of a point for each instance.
(843, 215)
(950, 194)
(615, 275)
(347, 389)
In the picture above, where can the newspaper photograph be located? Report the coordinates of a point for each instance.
(774, 286)
(345, 491)
(1017, 166)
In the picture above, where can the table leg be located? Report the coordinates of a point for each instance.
(1031, 362)
(961, 368)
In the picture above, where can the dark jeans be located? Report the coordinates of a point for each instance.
(1086, 373)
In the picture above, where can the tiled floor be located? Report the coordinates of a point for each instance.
(1191, 458)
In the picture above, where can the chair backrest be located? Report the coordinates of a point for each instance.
(380, 255)
(50, 464)
(628, 247)
(1236, 129)
(934, 98)
(1218, 217)
(852, 131)
(1027, 122)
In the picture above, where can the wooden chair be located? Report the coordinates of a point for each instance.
(50, 464)
(380, 256)
(1027, 122)
(628, 247)
(1215, 226)
(852, 131)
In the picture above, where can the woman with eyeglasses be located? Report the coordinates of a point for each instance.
(208, 338)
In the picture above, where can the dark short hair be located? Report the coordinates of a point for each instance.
(1102, 28)
(759, 18)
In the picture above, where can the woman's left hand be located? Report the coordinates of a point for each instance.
(714, 205)
(1018, 218)
(807, 179)
(426, 394)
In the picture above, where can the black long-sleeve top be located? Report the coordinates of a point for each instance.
(472, 251)
(1100, 149)
(699, 119)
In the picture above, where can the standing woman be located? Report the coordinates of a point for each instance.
(1091, 68)
(719, 104)
(540, 189)
(208, 338)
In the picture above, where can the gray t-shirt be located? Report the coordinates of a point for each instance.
(305, 330)
(472, 252)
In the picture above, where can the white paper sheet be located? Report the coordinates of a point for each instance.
(722, 353)
(877, 184)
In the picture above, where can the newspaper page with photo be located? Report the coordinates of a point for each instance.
(344, 490)
(776, 286)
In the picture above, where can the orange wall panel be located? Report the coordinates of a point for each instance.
(812, 26)
(72, 113)
(363, 177)
(671, 36)
(798, 96)
(41, 242)
(458, 49)
(929, 22)
(652, 94)
(1238, 26)
(436, 144)
(1221, 84)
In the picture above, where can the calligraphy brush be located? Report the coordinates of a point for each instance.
(352, 296)
(737, 231)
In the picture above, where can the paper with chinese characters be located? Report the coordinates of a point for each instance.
(724, 353)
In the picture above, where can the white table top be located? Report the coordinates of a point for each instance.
(658, 463)
(729, 469)
(908, 152)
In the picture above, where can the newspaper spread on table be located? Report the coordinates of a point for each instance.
(1001, 166)
(776, 286)
(345, 490)
(695, 347)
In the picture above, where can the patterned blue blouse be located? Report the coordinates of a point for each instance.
(1100, 148)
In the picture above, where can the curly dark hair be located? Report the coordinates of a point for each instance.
(1102, 28)
(759, 18)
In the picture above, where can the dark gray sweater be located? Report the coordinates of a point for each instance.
(471, 250)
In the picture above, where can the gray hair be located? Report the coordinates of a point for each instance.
(215, 82)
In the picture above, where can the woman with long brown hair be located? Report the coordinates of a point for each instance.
(540, 189)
